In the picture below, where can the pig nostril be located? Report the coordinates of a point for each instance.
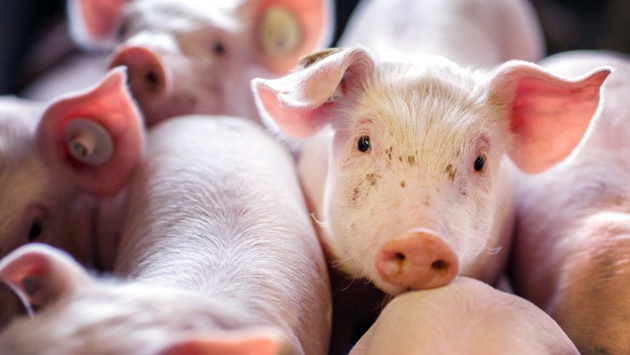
(399, 257)
(440, 265)
(153, 80)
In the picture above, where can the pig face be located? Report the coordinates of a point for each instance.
(416, 154)
(56, 162)
(61, 298)
(199, 56)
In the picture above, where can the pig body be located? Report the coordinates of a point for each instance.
(219, 249)
(478, 33)
(52, 197)
(192, 56)
(463, 317)
(571, 244)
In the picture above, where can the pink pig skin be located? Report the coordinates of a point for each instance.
(48, 195)
(464, 317)
(217, 245)
(480, 33)
(572, 241)
(197, 56)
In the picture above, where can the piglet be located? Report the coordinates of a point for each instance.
(218, 254)
(464, 317)
(407, 162)
(478, 33)
(63, 163)
(572, 239)
(198, 56)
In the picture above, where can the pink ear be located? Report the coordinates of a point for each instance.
(95, 137)
(288, 29)
(548, 114)
(254, 342)
(298, 102)
(94, 22)
(40, 273)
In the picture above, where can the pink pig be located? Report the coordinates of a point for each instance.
(63, 167)
(572, 243)
(480, 33)
(463, 317)
(191, 56)
(406, 163)
(219, 247)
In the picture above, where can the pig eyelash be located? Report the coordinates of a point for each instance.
(363, 144)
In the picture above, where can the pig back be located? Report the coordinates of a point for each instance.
(481, 33)
(216, 207)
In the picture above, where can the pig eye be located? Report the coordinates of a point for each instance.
(363, 144)
(218, 48)
(480, 162)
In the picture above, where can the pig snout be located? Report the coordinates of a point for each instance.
(146, 74)
(418, 261)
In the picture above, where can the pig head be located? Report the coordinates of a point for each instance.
(58, 161)
(406, 168)
(199, 56)
(464, 317)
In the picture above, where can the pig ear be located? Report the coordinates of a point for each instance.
(288, 29)
(93, 23)
(39, 274)
(548, 115)
(94, 137)
(251, 342)
(299, 102)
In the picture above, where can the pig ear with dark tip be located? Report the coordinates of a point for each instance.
(299, 102)
(548, 114)
(248, 342)
(40, 274)
(94, 137)
(94, 23)
(288, 29)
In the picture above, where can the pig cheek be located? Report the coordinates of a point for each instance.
(472, 224)
(354, 220)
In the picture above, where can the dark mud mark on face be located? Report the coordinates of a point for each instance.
(411, 159)
(403, 184)
(388, 152)
(372, 179)
(451, 172)
(361, 191)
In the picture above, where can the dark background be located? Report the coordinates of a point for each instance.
(567, 24)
